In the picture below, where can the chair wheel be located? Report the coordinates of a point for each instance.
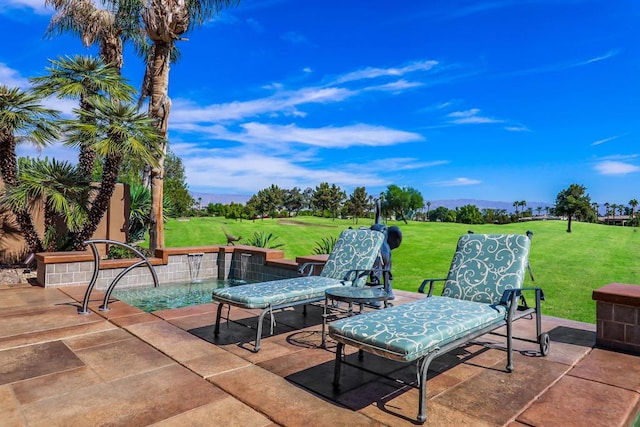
(543, 339)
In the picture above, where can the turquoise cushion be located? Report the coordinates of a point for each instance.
(485, 265)
(410, 331)
(354, 250)
(285, 291)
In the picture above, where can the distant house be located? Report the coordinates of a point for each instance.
(614, 220)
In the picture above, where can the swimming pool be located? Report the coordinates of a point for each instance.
(168, 296)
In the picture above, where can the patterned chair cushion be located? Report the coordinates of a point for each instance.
(484, 266)
(410, 331)
(354, 250)
(276, 292)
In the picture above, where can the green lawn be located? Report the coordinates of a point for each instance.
(568, 266)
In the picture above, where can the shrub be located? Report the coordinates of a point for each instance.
(262, 240)
(325, 246)
(119, 252)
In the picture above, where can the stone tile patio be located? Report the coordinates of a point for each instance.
(128, 368)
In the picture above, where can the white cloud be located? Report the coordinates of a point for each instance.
(281, 102)
(248, 172)
(397, 86)
(470, 117)
(57, 150)
(36, 5)
(329, 137)
(465, 113)
(324, 137)
(457, 182)
(12, 78)
(517, 129)
(607, 55)
(561, 66)
(612, 167)
(371, 72)
(65, 106)
(394, 164)
(602, 141)
(286, 102)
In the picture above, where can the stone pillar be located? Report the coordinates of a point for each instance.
(618, 317)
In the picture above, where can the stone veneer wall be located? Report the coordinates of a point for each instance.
(171, 265)
(618, 317)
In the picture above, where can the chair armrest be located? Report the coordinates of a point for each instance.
(431, 282)
(308, 266)
(510, 297)
(354, 275)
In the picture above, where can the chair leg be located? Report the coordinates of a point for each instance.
(423, 369)
(538, 314)
(509, 345)
(259, 328)
(216, 329)
(337, 369)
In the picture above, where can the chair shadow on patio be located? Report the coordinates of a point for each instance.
(240, 328)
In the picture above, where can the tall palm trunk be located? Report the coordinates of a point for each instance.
(87, 155)
(101, 202)
(165, 21)
(159, 108)
(9, 172)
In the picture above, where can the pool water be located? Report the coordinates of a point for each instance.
(168, 296)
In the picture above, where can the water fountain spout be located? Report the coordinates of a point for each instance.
(194, 266)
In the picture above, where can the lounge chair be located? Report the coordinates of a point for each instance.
(482, 292)
(349, 264)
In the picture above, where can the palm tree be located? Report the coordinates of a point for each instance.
(83, 78)
(607, 205)
(516, 204)
(165, 22)
(60, 188)
(116, 130)
(22, 119)
(634, 204)
(428, 209)
(139, 212)
(107, 23)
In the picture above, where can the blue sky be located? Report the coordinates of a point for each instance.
(489, 99)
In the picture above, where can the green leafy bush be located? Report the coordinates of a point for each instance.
(263, 240)
(325, 246)
(119, 252)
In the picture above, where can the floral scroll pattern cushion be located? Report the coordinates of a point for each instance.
(265, 294)
(410, 331)
(484, 266)
(354, 250)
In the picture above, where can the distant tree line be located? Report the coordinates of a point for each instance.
(325, 200)
(405, 203)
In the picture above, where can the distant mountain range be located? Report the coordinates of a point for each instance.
(206, 198)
